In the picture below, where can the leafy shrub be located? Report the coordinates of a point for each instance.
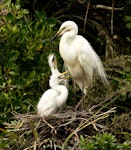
(24, 46)
(105, 141)
(128, 19)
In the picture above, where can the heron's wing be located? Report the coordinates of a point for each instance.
(89, 60)
(86, 58)
(47, 100)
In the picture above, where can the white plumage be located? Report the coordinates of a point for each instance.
(56, 96)
(53, 98)
(52, 61)
(79, 56)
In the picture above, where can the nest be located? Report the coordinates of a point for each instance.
(58, 131)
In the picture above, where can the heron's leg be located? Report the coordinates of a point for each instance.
(83, 97)
(74, 89)
(82, 100)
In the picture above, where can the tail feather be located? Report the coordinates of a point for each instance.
(101, 72)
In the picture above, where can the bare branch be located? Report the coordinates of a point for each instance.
(87, 10)
(108, 8)
(112, 17)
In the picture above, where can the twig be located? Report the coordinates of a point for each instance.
(112, 17)
(78, 104)
(87, 123)
(69, 122)
(108, 8)
(48, 123)
(93, 123)
(87, 10)
(35, 145)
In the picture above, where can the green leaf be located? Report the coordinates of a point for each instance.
(7, 3)
(30, 56)
(128, 25)
(17, 104)
(6, 95)
(13, 55)
(51, 21)
(32, 74)
(128, 18)
(13, 73)
(25, 11)
(10, 16)
(17, 2)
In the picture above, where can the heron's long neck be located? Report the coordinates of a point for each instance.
(69, 36)
(63, 94)
(55, 71)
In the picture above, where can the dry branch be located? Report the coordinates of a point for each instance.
(112, 17)
(87, 10)
(108, 8)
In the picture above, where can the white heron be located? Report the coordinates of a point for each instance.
(54, 97)
(52, 61)
(79, 56)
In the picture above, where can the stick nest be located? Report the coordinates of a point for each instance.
(58, 131)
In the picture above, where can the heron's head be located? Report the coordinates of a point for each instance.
(52, 61)
(67, 26)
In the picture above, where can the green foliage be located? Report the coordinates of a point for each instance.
(121, 125)
(128, 19)
(105, 141)
(119, 72)
(24, 46)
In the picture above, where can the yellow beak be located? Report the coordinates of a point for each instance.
(63, 73)
(56, 35)
(64, 77)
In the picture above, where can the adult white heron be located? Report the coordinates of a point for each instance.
(54, 97)
(79, 56)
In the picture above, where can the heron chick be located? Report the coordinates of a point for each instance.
(53, 98)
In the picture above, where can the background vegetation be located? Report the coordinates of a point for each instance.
(25, 31)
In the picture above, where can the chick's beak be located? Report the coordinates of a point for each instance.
(66, 77)
(62, 75)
